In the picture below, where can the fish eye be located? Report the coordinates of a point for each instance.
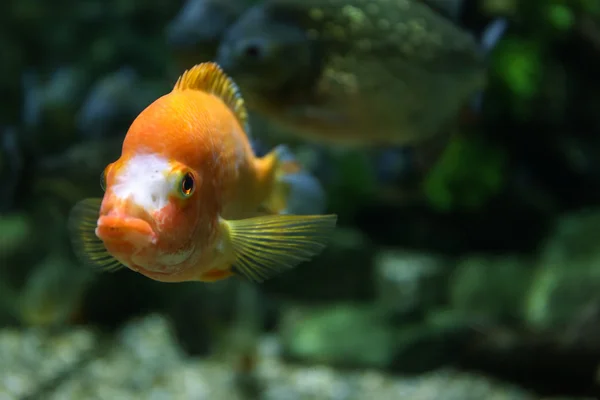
(187, 185)
(253, 50)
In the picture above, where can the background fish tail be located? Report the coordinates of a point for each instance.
(295, 191)
(489, 39)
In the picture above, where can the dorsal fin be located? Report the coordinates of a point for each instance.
(209, 77)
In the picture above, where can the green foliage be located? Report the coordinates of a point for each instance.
(544, 19)
(519, 65)
(560, 16)
(469, 172)
(521, 60)
(590, 7)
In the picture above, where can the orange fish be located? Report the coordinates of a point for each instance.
(188, 200)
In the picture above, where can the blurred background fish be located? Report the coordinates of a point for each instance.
(353, 72)
(311, 72)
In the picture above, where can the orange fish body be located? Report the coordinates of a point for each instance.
(189, 200)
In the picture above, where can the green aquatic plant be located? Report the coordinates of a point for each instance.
(468, 173)
(560, 16)
(518, 64)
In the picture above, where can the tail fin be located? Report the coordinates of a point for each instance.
(489, 39)
(295, 190)
(492, 34)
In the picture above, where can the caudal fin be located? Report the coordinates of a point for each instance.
(295, 190)
(492, 34)
(490, 37)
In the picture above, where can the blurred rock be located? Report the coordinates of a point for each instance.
(32, 357)
(410, 282)
(437, 341)
(53, 292)
(568, 398)
(49, 104)
(114, 101)
(490, 287)
(538, 362)
(75, 173)
(144, 361)
(342, 334)
(199, 26)
(358, 336)
(567, 281)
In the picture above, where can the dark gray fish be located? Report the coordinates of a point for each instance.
(354, 72)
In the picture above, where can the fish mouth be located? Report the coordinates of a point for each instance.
(148, 272)
(127, 230)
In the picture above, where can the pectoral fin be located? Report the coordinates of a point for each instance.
(267, 245)
(88, 248)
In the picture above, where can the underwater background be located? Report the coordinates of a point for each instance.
(457, 141)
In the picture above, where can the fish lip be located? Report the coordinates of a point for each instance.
(139, 269)
(133, 230)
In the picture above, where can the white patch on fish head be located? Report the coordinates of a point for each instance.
(144, 181)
